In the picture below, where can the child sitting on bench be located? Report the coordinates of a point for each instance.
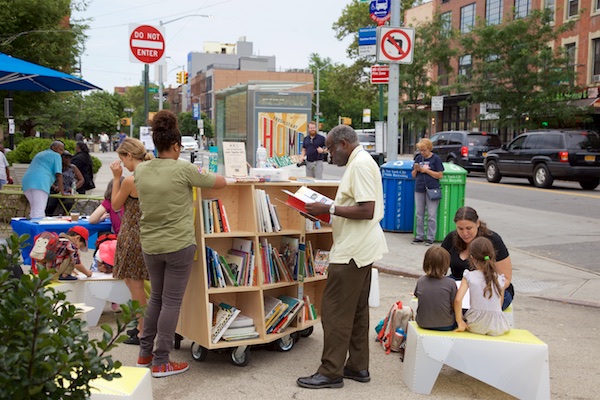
(436, 292)
(486, 295)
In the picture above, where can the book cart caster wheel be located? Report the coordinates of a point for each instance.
(306, 332)
(285, 343)
(177, 341)
(240, 356)
(199, 353)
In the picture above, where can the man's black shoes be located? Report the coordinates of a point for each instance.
(359, 376)
(318, 381)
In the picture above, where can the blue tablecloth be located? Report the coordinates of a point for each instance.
(33, 227)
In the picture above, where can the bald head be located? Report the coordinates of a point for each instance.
(58, 146)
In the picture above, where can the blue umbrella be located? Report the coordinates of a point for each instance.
(20, 75)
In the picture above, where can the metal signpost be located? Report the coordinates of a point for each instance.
(147, 45)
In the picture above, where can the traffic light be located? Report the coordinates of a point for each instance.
(346, 120)
(185, 78)
(180, 77)
(125, 121)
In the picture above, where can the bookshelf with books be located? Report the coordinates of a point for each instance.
(230, 266)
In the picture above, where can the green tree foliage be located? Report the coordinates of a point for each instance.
(45, 349)
(514, 67)
(41, 32)
(188, 126)
(101, 111)
(134, 98)
(432, 47)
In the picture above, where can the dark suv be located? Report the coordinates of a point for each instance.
(467, 149)
(542, 156)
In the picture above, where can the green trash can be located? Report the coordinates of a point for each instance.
(453, 197)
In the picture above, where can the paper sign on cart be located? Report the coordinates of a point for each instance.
(305, 195)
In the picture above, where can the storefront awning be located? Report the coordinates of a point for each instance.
(583, 103)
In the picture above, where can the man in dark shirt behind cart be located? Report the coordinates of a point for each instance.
(313, 152)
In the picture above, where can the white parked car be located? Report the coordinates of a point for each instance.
(189, 143)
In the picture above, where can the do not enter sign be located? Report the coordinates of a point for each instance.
(147, 43)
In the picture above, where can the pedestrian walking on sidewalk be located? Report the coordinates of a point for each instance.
(358, 241)
(313, 152)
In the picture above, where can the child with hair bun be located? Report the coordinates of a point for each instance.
(436, 292)
(486, 295)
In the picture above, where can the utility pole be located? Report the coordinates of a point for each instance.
(318, 91)
(393, 93)
(160, 66)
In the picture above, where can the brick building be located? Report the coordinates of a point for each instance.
(582, 44)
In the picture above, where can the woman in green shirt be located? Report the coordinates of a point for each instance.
(168, 242)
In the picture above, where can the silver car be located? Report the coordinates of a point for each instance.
(189, 143)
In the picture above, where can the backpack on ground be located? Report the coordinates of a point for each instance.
(392, 329)
(45, 246)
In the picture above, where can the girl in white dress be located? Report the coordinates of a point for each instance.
(485, 313)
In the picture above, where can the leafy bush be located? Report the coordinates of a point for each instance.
(45, 351)
(96, 164)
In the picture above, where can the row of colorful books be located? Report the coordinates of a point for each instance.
(234, 268)
(214, 216)
(275, 265)
(229, 324)
(268, 217)
(280, 312)
(310, 312)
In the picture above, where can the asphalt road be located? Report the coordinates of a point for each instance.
(561, 223)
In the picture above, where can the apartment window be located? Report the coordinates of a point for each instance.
(493, 12)
(464, 67)
(442, 75)
(596, 5)
(573, 9)
(447, 22)
(551, 5)
(596, 62)
(522, 8)
(467, 18)
(571, 50)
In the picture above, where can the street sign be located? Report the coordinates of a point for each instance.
(157, 97)
(437, 103)
(367, 41)
(367, 36)
(395, 45)
(196, 111)
(146, 43)
(380, 74)
(380, 11)
(366, 115)
(152, 90)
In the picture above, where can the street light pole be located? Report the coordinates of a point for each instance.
(160, 66)
(318, 91)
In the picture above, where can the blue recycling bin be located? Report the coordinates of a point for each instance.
(398, 196)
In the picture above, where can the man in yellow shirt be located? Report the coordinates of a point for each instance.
(358, 241)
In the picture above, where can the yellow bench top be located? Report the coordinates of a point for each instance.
(514, 335)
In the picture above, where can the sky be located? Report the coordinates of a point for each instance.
(290, 30)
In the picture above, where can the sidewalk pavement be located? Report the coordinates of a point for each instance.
(569, 331)
(533, 275)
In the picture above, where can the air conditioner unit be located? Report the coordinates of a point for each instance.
(595, 78)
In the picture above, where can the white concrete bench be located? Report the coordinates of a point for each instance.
(94, 292)
(135, 384)
(516, 363)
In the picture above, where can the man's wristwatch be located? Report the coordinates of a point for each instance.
(332, 209)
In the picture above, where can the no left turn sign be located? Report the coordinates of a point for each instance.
(395, 45)
(146, 43)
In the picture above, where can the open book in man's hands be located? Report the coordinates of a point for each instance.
(305, 195)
